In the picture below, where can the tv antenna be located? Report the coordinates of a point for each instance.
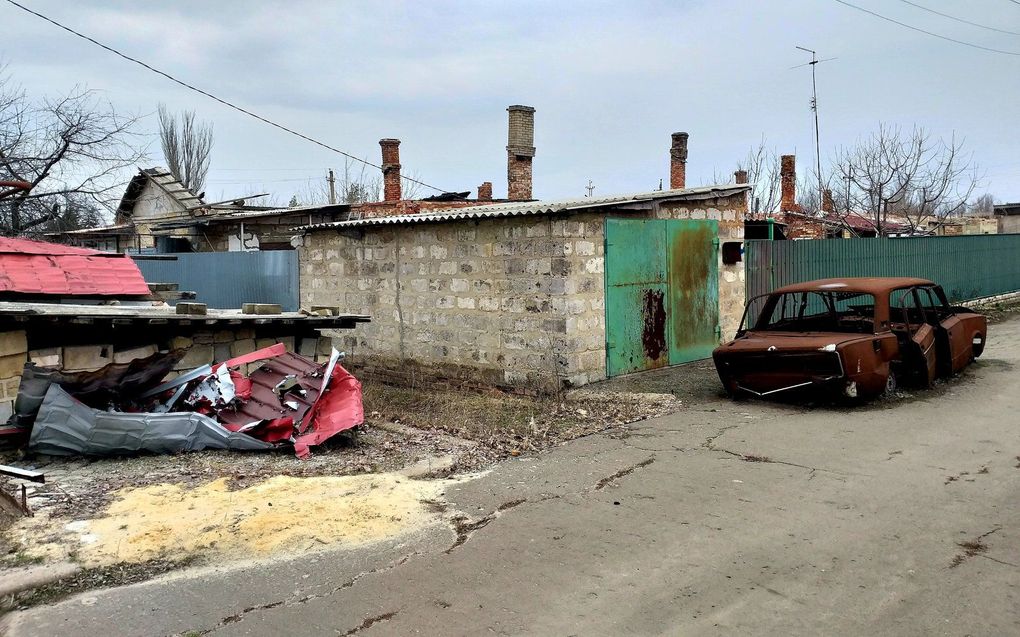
(814, 107)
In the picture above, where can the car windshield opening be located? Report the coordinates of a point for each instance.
(820, 311)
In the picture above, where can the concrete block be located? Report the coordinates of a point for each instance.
(190, 307)
(87, 357)
(9, 388)
(6, 410)
(224, 336)
(198, 355)
(242, 346)
(180, 342)
(13, 343)
(325, 346)
(261, 308)
(288, 342)
(49, 357)
(128, 355)
(221, 351)
(308, 347)
(261, 343)
(203, 337)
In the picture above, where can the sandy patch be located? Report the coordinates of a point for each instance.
(282, 515)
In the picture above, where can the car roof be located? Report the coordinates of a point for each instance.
(869, 285)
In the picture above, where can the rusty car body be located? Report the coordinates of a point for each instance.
(858, 337)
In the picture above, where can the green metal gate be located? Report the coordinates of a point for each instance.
(662, 292)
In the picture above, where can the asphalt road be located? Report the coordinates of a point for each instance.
(724, 519)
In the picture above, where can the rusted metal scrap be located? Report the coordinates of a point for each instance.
(859, 337)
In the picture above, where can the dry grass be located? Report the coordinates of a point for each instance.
(509, 424)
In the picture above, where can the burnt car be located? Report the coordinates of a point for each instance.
(858, 337)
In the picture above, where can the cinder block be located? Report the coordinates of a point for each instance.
(9, 387)
(221, 352)
(49, 357)
(327, 310)
(325, 346)
(241, 347)
(180, 342)
(261, 343)
(226, 336)
(87, 357)
(190, 307)
(288, 342)
(261, 308)
(198, 355)
(203, 337)
(13, 343)
(6, 410)
(308, 347)
(128, 355)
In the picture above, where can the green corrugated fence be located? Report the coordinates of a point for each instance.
(968, 267)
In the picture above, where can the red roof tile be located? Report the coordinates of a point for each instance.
(37, 267)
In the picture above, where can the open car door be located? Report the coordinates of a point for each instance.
(921, 357)
(958, 344)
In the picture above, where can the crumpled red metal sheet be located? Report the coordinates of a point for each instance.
(339, 408)
(265, 403)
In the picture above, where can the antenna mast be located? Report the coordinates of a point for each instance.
(814, 107)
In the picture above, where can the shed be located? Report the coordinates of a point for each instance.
(534, 296)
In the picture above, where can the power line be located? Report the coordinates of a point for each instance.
(946, 15)
(210, 95)
(912, 28)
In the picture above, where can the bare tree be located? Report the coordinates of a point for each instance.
(982, 206)
(913, 176)
(763, 168)
(70, 149)
(186, 147)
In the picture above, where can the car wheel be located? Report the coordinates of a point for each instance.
(891, 383)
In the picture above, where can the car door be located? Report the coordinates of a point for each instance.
(958, 340)
(921, 355)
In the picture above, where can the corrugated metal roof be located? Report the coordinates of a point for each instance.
(530, 208)
(37, 267)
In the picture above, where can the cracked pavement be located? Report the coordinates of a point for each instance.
(725, 518)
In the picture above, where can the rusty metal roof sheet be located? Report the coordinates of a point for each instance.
(531, 208)
(37, 267)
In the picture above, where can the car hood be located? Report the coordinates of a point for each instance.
(790, 341)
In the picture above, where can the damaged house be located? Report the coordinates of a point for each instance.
(89, 361)
(535, 296)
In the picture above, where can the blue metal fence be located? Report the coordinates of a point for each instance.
(968, 267)
(228, 279)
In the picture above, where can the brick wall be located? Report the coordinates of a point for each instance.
(515, 303)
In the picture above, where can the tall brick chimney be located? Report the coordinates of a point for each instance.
(520, 149)
(788, 183)
(485, 191)
(828, 204)
(740, 177)
(391, 169)
(678, 162)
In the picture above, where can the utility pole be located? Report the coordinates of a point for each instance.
(332, 187)
(814, 107)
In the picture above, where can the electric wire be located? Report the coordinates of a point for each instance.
(210, 95)
(951, 17)
(913, 28)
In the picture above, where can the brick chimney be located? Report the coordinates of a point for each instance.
(828, 204)
(520, 149)
(740, 177)
(788, 183)
(485, 191)
(678, 162)
(391, 169)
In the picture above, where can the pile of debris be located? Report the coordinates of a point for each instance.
(284, 399)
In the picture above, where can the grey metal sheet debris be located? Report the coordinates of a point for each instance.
(66, 427)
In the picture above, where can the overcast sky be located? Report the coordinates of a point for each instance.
(610, 82)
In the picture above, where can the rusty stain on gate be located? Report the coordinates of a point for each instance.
(661, 292)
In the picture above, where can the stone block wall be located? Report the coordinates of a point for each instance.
(500, 302)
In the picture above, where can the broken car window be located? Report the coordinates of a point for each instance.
(818, 312)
